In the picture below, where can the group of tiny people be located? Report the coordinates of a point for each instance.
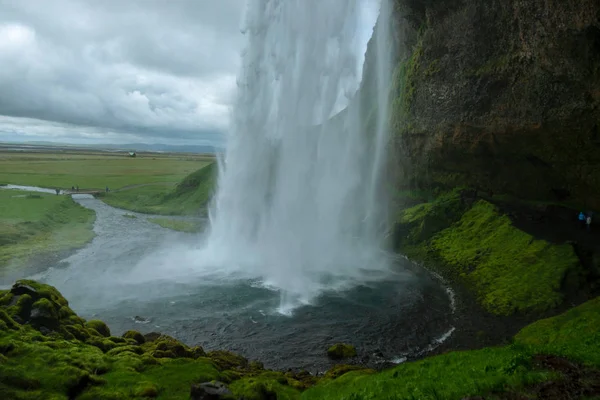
(585, 220)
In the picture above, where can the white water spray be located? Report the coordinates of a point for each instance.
(299, 201)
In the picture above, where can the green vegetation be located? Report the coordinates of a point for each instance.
(96, 170)
(177, 225)
(507, 268)
(38, 224)
(340, 351)
(574, 334)
(188, 197)
(73, 359)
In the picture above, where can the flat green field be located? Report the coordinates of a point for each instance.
(35, 227)
(38, 224)
(96, 170)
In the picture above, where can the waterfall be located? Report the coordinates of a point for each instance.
(299, 201)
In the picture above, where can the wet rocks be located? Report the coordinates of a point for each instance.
(140, 320)
(210, 391)
(340, 351)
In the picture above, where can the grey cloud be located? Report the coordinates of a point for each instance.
(155, 68)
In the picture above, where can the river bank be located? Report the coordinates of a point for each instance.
(472, 325)
(557, 356)
(38, 227)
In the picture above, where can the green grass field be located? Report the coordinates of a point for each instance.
(190, 196)
(34, 224)
(96, 170)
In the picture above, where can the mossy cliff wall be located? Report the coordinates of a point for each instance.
(500, 94)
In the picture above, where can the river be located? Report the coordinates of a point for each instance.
(136, 275)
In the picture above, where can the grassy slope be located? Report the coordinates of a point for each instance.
(188, 197)
(508, 269)
(35, 224)
(95, 170)
(574, 334)
(80, 362)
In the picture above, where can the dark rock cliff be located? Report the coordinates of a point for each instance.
(500, 94)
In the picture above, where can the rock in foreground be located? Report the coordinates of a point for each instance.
(340, 351)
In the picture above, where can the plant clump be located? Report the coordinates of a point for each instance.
(340, 351)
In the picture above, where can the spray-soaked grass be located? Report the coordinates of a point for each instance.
(33, 224)
(508, 269)
(489, 371)
(188, 197)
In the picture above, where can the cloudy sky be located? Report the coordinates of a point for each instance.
(121, 71)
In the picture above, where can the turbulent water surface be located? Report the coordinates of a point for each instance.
(131, 270)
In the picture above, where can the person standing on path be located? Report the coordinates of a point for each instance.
(581, 218)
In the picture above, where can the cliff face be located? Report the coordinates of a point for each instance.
(500, 94)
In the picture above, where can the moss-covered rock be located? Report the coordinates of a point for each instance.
(44, 308)
(99, 327)
(227, 360)
(340, 369)
(135, 335)
(340, 351)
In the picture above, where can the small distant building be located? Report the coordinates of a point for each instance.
(132, 154)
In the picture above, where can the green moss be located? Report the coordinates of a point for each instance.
(7, 320)
(450, 376)
(574, 334)
(341, 369)
(264, 386)
(404, 82)
(5, 297)
(99, 327)
(146, 389)
(341, 350)
(509, 269)
(135, 335)
(122, 349)
(103, 344)
(227, 360)
(45, 308)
